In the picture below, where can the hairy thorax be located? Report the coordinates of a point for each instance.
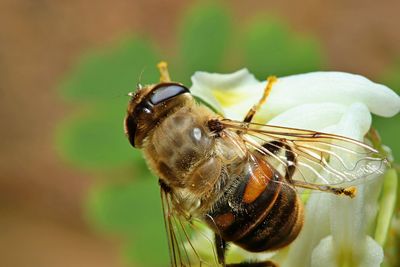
(181, 151)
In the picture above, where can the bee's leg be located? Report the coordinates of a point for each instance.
(220, 246)
(250, 114)
(164, 74)
(253, 264)
(347, 191)
(276, 146)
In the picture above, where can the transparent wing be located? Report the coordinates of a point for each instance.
(190, 242)
(310, 156)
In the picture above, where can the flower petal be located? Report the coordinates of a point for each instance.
(345, 219)
(350, 218)
(336, 87)
(224, 90)
(354, 123)
(316, 226)
(310, 116)
(325, 254)
(373, 254)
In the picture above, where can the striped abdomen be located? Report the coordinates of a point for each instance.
(258, 211)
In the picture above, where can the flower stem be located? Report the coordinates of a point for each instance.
(387, 205)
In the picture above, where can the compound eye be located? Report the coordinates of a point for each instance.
(166, 91)
(130, 129)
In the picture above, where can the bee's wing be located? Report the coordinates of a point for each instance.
(187, 238)
(312, 157)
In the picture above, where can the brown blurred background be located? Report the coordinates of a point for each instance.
(41, 219)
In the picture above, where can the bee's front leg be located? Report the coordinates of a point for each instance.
(250, 114)
(220, 246)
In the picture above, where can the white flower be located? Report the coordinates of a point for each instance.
(234, 94)
(337, 230)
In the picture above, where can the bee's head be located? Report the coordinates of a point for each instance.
(149, 106)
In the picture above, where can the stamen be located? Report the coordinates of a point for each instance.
(164, 74)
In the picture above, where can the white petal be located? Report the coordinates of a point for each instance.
(310, 116)
(345, 219)
(354, 123)
(240, 85)
(336, 87)
(373, 254)
(347, 225)
(325, 254)
(316, 226)
(229, 81)
(350, 218)
(238, 112)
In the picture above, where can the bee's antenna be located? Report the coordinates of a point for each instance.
(139, 84)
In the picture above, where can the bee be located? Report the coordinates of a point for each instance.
(239, 178)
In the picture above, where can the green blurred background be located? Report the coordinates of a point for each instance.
(72, 190)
